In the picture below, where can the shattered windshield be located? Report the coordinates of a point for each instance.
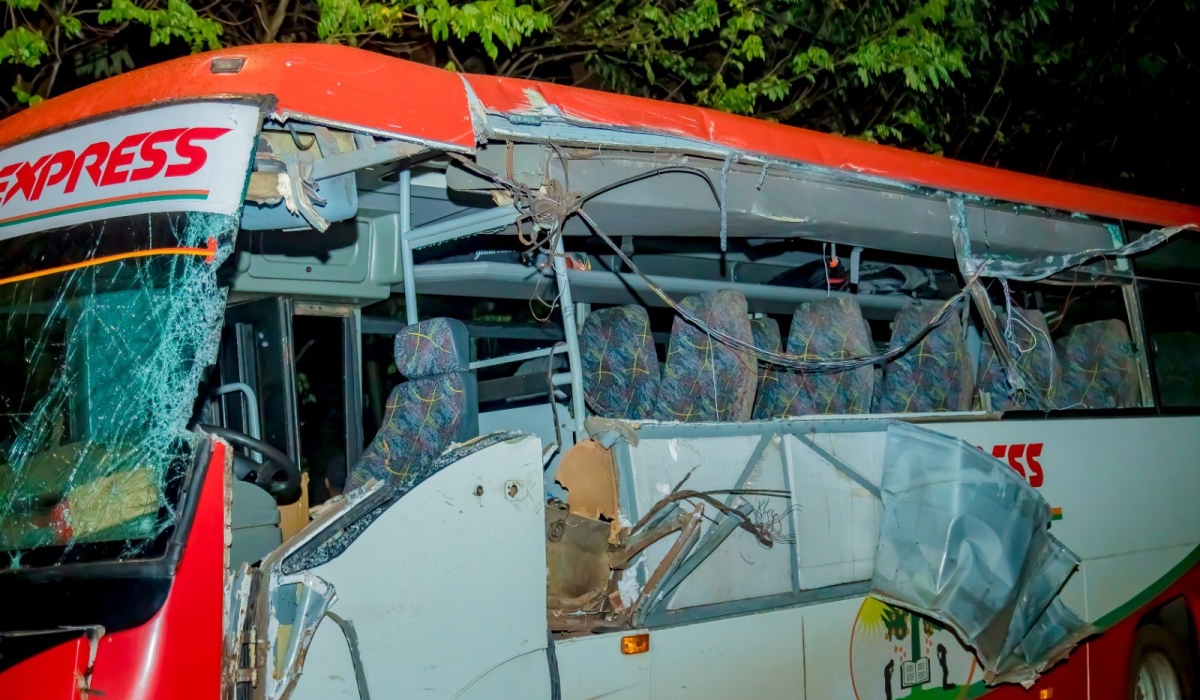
(105, 330)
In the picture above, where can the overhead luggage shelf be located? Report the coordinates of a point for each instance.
(511, 281)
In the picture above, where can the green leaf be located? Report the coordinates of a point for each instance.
(178, 20)
(23, 46)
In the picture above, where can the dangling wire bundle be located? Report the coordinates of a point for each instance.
(549, 208)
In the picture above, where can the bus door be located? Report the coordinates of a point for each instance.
(256, 366)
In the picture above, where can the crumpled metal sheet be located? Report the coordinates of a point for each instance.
(296, 606)
(965, 541)
(1032, 270)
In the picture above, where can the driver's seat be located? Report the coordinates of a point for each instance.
(436, 407)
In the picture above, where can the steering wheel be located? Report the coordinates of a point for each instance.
(278, 475)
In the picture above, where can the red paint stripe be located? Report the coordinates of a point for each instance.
(354, 87)
(508, 95)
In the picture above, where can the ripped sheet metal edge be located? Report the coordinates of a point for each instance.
(965, 541)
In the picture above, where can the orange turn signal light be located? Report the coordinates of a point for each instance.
(1046, 694)
(635, 643)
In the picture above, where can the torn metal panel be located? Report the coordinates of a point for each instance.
(295, 606)
(307, 178)
(526, 110)
(798, 201)
(296, 201)
(480, 555)
(609, 430)
(588, 474)
(577, 562)
(964, 541)
(360, 673)
(1043, 267)
(239, 649)
(1029, 268)
(937, 526)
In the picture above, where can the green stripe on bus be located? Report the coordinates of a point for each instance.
(1130, 606)
(103, 205)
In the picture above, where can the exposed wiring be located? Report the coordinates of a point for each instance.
(549, 207)
(825, 266)
(781, 360)
(537, 296)
(296, 138)
(1062, 315)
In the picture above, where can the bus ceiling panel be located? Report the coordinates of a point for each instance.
(351, 260)
(775, 203)
(509, 281)
(430, 204)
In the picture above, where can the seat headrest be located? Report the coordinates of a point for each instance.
(433, 346)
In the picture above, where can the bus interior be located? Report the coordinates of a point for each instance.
(792, 258)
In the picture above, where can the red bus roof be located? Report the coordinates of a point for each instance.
(388, 95)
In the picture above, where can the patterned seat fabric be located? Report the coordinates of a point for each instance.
(434, 346)
(620, 367)
(1036, 358)
(704, 379)
(828, 329)
(1099, 370)
(1177, 367)
(765, 332)
(437, 407)
(935, 374)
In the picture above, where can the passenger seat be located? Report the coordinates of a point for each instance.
(1037, 360)
(935, 375)
(705, 379)
(765, 332)
(827, 329)
(620, 366)
(437, 407)
(1099, 370)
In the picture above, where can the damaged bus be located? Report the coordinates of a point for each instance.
(329, 375)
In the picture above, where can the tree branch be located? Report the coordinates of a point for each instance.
(276, 22)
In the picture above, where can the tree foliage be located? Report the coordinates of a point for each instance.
(1060, 87)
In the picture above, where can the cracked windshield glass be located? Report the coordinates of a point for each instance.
(105, 331)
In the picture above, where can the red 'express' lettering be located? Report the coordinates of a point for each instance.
(196, 156)
(92, 159)
(26, 179)
(154, 155)
(5, 172)
(106, 165)
(121, 156)
(55, 171)
(1030, 452)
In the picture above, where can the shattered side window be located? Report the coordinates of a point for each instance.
(105, 330)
